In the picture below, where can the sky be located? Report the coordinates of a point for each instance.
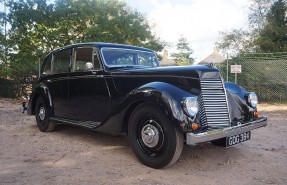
(200, 21)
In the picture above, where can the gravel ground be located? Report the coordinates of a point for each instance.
(72, 155)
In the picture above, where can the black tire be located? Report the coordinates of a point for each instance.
(164, 147)
(43, 115)
(220, 142)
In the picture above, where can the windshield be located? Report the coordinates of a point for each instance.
(121, 58)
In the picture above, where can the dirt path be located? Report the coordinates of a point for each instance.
(73, 155)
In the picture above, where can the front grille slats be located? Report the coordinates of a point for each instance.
(213, 110)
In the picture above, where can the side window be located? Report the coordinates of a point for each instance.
(61, 61)
(47, 66)
(85, 59)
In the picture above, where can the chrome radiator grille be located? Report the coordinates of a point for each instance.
(212, 104)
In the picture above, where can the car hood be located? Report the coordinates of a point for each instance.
(183, 77)
(175, 71)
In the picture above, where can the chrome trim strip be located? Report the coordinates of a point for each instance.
(227, 103)
(86, 124)
(192, 138)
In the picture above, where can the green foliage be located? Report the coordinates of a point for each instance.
(267, 30)
(3, 43)
(182, 57)
(273, 37)
(258, 11)
(38, 27)
(235, 42)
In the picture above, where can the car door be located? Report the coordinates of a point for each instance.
(89, 98)
(56, 77)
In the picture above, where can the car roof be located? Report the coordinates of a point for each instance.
(102, 45)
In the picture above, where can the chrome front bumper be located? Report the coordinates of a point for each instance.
(192, 138)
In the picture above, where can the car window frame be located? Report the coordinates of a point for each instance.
(53, 60)
(44, 64)
(115, 48)
(95, 53)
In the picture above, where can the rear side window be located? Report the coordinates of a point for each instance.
(61, 61)
(47, 67)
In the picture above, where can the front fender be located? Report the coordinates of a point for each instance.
(40, 90)
(163, 95)
(239, 109)
(235, 89)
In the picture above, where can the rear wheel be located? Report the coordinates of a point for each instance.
(43, 115)
(155, 141)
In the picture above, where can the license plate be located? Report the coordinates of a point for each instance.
(236, 139)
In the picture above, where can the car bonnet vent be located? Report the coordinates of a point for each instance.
(213, 104)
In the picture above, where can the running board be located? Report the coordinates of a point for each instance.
(87, 124)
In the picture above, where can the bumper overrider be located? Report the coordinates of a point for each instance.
(192, 138)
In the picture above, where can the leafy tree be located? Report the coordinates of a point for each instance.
(38, 27)
(268, 30)
(3, 61)
(273, 37)
(182, 57)
(258, 15)
(235, 41)
(2, 37)
(238, 41)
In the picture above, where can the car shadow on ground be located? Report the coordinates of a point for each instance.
(198, 155)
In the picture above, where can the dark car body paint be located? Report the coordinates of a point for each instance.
(119, 91)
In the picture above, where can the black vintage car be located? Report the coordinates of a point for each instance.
(117, 89)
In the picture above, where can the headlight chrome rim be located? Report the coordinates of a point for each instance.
(190, 106)
(253, 99)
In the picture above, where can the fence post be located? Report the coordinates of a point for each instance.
(236, 76)
(227, 67)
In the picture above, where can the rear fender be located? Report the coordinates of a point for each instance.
(41, 90)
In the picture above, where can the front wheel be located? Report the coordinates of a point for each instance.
(43, 115)
(155, 141)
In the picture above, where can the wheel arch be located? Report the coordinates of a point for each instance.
(40, 91)
(166, 97)
(127, 115)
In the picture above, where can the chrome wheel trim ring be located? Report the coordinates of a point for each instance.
(42, 113)
(150, 135)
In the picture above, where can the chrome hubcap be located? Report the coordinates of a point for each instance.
(42, 113)
(150, 135)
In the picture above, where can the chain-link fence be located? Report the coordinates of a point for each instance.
(15, 89)
(265, 74)
(16, 80)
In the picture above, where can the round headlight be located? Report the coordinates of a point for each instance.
(252, 99)
(190, 105)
